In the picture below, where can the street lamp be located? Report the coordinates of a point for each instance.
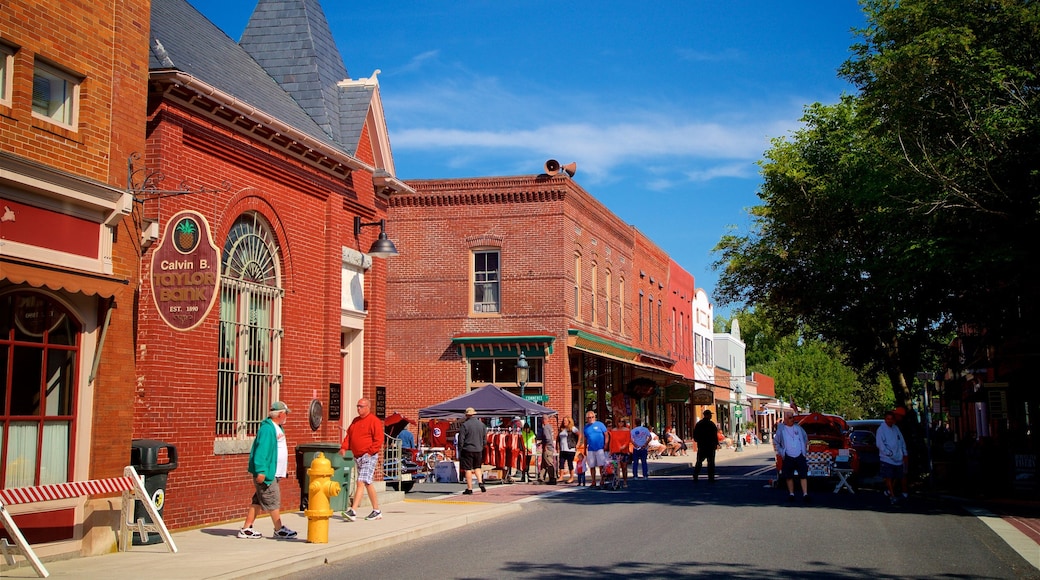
(523, 371)
(738, 412)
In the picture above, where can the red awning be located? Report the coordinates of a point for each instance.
(55, 279)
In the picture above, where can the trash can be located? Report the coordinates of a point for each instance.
(342, 472)
(153, 460)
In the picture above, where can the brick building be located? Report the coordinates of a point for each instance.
(496, 267)
(69, 253)
(271, 167)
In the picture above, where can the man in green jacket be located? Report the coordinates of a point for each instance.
(268, 462)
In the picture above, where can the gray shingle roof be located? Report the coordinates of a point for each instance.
(289, 71)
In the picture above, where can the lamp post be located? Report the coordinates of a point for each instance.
(522, 373)
(738, 413)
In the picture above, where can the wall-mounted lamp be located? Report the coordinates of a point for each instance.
(382, 247)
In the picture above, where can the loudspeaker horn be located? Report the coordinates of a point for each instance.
(552, 167)
(571, 168)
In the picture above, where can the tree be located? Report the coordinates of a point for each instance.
(956, 84)
(835, 249)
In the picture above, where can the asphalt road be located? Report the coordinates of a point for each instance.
(739, 527)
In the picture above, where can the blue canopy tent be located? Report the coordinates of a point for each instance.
(487, 401)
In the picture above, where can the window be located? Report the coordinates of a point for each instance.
(606, 311)
(592, 311)
(486, 289)
(39, 358)
(640, 315)
(577, 286)
(54, 95)
(502, 371)
(621, 305)
(6, 66)
(659, 308)
(250, 335)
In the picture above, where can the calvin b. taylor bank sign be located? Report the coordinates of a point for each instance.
(185, 271)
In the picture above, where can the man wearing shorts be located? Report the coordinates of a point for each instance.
(364, 439)
(472, 438)
(792, 445)
(596, 438)
(268, 462)
(894, 458)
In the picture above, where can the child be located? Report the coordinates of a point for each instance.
(579, 466)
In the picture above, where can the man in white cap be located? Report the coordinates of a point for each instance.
(268, 462)
(472, 438)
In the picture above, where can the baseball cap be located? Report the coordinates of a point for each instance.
(707, 413)
(279, 406)
(471, 411)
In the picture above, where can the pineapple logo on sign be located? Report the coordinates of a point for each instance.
(187, 235)
(185, 271)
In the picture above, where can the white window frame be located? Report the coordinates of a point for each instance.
(64, 110)
(6, 72)
(489, 281)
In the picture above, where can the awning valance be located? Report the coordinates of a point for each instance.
(494, 345)
(42, 276)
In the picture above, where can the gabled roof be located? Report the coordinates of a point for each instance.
(184, 40)
(287, 77)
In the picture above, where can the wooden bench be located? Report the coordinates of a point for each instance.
(132, 487)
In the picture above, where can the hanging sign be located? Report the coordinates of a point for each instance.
(185, 271)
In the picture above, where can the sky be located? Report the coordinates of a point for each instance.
(666, 107)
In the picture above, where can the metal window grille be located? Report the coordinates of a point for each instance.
(248, 375)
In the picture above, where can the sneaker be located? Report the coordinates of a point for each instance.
(284, 533)
(249, 533)
(467, 492)
(378, 515)
(482, 488)
(350, 515)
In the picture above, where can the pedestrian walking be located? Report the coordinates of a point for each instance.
(595, 435)
(706, 436)
(268, 463)
(364, 439)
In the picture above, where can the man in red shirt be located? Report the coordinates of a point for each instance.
(364, 439)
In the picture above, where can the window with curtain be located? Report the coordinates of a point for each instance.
(39, 354)
(486, 290)
(248, 376)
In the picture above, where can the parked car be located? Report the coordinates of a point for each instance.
(862, 435)
(828, 443)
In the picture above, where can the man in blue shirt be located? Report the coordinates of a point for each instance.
(596, 439)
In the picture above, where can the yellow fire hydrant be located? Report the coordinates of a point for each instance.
(319, 507)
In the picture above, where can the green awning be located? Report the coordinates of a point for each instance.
(498, 345)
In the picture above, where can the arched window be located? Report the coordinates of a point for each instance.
(250, 327)
(577, 286)
(39, 358)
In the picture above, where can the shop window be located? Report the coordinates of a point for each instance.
(486, 277)
(54, 95)
(248, 376)
(39, 357)
(502, 372)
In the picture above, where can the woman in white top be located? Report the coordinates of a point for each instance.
(568, 439)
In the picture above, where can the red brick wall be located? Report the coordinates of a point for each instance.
(540, 224)
(105, 42)
(308, 212)
(679, 306)
(652, 267)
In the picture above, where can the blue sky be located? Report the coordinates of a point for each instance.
(665, 106)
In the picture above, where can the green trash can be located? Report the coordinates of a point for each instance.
(343, 472)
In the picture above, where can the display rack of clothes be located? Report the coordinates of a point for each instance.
(506, 450)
